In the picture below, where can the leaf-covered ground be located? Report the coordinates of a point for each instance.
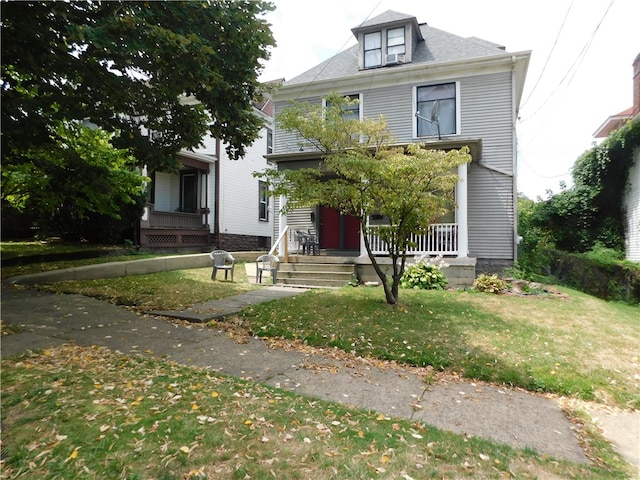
(73, 412)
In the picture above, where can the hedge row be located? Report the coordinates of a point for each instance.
(609, 280)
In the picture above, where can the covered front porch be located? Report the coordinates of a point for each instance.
(177, 215)
(447, 237)
(335, 232)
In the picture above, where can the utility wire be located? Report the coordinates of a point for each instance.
(566, 15)
(579, 58)
(340, 50)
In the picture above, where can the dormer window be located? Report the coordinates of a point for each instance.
(373, 49)
(385, 47)
(396, 41)
(389, 39)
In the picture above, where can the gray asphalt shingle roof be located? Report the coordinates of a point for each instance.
(438, 46)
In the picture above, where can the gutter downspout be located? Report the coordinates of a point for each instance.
(514, 142)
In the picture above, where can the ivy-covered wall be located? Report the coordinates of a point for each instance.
(591, 212)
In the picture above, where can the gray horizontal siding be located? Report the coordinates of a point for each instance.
(490, 214)
(289, 141)
(486, 104)
(395, 104)
(486, 112)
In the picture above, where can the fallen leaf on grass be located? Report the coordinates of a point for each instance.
(73, 455)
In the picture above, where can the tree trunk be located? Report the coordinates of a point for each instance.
(388, 291)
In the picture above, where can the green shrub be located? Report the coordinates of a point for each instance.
(424, 276)
(489, 284)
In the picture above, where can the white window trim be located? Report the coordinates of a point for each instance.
(261, 202)
(269, 130)
(360, 105)
(414, 102)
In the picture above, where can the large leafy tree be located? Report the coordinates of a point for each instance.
(362, 173)
(125, 67)
(78, 188)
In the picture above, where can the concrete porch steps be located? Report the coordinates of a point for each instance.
(317, 271)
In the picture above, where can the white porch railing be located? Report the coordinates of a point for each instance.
(282, 245)
(440, 239)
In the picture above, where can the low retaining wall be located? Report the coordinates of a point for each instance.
(460, 272)
(131, 267)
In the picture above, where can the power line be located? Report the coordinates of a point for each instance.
(576, 63)
(566, 15)
(340, 50)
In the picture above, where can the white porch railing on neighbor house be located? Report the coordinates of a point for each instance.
(440, 239)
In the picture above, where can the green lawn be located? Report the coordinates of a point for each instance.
(570, 344)
(79, 412)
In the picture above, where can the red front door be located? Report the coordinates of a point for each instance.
(338, 232)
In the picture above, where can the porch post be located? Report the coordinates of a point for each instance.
(461, 212)
(363, 248)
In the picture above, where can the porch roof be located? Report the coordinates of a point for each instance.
(306, 157)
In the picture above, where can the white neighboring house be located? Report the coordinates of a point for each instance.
(212, 201)
(631, 199)
(632, 208)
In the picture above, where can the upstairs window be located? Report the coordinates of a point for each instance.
(373, 49)
(437, 103)
(263, 202)
(395, 41)
(269, 141)
(351, 112)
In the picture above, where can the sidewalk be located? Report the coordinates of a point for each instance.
(217, 309)
(508, 416)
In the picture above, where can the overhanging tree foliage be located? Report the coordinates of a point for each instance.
(125, 65)
(363, 173)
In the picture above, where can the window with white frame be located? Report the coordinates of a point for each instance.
(263, 202)
(373, 49)
(436, 110)
(351, 111)
(269, 141)
(395, 41)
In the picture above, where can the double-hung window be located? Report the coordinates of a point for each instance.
(269, 141)
(373, 49)
(395, 41)
(351, 111)
(436, 110)
(263, 202)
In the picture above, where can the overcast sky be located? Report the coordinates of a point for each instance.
(580, 71)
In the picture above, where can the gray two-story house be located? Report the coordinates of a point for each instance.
(436, 88)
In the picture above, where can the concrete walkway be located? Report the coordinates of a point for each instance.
(512, 417)
(218, 309)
